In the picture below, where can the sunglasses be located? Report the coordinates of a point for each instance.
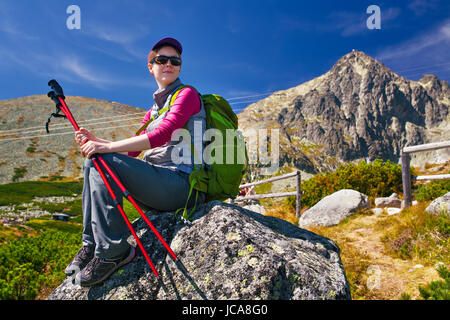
(175, 61)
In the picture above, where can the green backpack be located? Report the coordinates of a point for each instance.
(220, 179)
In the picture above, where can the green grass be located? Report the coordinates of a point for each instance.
(72, 208)
(19, 192)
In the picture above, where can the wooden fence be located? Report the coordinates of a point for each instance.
(406, 176)
(275, 195)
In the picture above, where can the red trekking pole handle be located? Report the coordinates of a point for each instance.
(56, 88)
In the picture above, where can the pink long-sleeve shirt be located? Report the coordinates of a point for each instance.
(186, 104)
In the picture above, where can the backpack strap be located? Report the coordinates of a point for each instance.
(187, 215)
(174, 96)
(145, 125)
(161, 111)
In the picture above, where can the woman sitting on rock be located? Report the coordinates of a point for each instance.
(156, 182)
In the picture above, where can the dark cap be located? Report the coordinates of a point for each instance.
(168, 42)
(165, 42)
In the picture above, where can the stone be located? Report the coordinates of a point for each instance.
(440, 205)
(377, 211)
(256, 208)
(227, 253)
(391, 211)
(392, 201)
(334, 208)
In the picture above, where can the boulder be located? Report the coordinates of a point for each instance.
(439, 205)
(391, 211)
(334, 208)
(392, 201)
(256, 208)
(227, 252)
(377, 211)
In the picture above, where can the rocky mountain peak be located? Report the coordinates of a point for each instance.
(360, 63)
(359, 109)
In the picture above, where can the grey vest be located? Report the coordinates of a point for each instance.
(176, 153)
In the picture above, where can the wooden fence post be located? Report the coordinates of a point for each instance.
(297, 200)
(406, 177)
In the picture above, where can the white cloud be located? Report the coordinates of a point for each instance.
(420, 7)
(352, 23)
(435, 40)
(125, 37)
(82, 71)
(428, 52)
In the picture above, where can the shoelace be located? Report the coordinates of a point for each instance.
(84, 252)
(81, 254)
(92, 264)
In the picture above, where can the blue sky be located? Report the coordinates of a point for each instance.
(232, 48)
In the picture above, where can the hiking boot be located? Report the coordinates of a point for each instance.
(98, 269)
(84, 255)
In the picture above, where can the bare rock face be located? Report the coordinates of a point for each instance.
(226, 253)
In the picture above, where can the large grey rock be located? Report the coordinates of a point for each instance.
(392, 201)
(439, 205)
(334, 208)
(228, 253)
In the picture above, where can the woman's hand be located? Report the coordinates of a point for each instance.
(90, 144)
(90, 148)
(84, 135)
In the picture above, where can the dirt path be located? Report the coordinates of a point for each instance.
(387, 277)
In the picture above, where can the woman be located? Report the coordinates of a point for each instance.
(157, 182)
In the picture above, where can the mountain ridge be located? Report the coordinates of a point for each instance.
(56, 155)
(359, 109)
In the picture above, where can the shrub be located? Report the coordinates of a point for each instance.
(432, 190)
(378, 179)
(31, 263)
(19, 173)
(437, 290)
(31, 149)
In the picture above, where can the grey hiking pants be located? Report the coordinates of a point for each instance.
(152, 187)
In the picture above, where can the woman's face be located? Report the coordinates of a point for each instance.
(167, 73)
